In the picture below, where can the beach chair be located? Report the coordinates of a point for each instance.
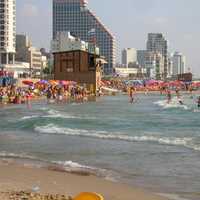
(88, 196)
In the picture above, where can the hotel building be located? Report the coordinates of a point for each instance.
(75, 17)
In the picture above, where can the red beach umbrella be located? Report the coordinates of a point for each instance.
(176, 83)
(65, 83)
(27, 82)
(196, 84)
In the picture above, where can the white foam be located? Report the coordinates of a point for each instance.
(29, 117)
(172, 196)
(174, 103)
(73, 165)
(50, 114)
(57, 114)
(196, 111)
(5, 154)
(176, 141)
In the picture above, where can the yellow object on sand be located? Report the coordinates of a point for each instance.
(88, 196)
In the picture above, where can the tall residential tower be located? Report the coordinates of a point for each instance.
(179, 63)
(158, 44)
(74, 16)
(7, 31)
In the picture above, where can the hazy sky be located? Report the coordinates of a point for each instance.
(129, 20)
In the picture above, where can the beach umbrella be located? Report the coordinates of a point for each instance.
(164, 84)
(196, 84)
(153, 82)
(135, 83)
(27, 82)
(53, 82)
(73, 83)
(65, 83)
(42, 82)
(176, 83)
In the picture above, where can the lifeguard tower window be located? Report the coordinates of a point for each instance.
(91, 62)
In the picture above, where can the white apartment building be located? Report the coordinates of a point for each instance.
(126, 72)
(179, 63)
(64, 41)
(25, 52)
(7, 31)
(129, 56)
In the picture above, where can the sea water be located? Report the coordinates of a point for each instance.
(150, 143)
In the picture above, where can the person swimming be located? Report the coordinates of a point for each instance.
(180, 101)
(179, 97)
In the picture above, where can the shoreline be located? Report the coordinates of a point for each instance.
(15, 178)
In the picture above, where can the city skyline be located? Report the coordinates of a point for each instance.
(177, 23)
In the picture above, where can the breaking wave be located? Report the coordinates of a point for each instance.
(173, 104)
(176, 141)
(64, 166)
(29, 117)
(55, 114)
(5, 154)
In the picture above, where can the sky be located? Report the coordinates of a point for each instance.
(129, 20)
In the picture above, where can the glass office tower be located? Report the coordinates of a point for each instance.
(74, 16)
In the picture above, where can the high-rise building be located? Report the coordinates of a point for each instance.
(179, 62)
(158, 44)
(74, 16)
(129, 56)
(141, 57)
(154, 64)
(7, 31)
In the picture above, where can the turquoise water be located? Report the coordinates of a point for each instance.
(148, 143)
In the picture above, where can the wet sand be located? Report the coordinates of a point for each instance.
(17, 178)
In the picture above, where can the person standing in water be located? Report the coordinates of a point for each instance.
(169, 96)
(131, 94)
(198, 102)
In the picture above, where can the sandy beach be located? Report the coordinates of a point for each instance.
(16, 178)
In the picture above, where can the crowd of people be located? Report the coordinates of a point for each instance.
(13, 94)
(169, 92)
(66, 91)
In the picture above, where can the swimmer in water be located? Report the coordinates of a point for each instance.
(180, 101)
(169, 96)
(179, 97)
